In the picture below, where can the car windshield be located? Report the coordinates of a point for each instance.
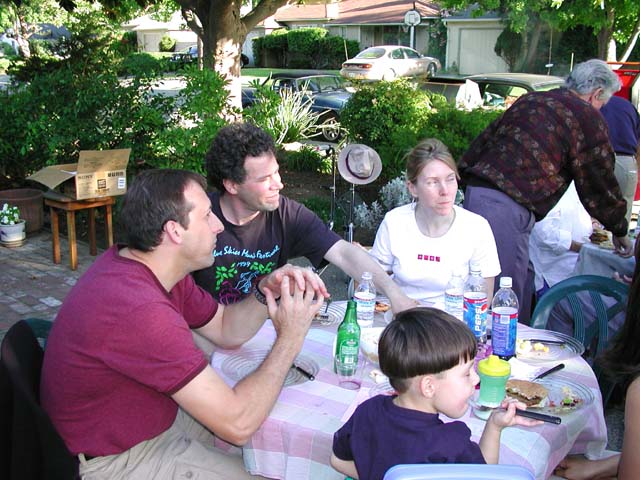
(320, 84)
(548, 86)
(371, 53)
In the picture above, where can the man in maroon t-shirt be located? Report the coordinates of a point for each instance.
(122, 379)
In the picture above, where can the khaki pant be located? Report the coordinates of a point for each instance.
(626, 173)
(184, 451)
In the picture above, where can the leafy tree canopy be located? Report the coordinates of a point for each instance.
(617, 20)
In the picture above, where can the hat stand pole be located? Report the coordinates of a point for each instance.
(350, 227)
(351, 287)
(332, 215)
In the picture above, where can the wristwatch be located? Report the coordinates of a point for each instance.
(259, 295)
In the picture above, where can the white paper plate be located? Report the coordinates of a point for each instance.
(238, 366)
(369, 337)
(569, 347)
(562, 388)
(334, 312)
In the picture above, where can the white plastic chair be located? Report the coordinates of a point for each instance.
(458, 471)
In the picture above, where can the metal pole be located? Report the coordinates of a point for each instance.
(333, 190)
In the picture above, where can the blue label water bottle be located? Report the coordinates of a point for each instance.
(474, 309)
(504, 310)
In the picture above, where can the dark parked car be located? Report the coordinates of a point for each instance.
(495, 88)
(190, 54)
(327, 93)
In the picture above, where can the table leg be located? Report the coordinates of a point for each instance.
(92, 232)
(73, 247)
(55, 233)
(108, 221)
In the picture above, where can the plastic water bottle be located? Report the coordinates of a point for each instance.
(365, 297)
(454, 295)
(504, 310)
(348, 339)
(474, 310)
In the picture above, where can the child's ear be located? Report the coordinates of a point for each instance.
(427, 386)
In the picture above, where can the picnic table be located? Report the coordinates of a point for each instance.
(296, 439)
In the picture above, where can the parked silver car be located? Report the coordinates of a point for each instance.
(387, 62)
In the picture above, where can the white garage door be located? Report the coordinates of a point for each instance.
(476, 51)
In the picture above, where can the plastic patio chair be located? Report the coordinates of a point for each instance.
(595, 336)
(31, 447)
(455, 471)
(597, 286)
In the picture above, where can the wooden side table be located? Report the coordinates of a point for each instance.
(57, 202)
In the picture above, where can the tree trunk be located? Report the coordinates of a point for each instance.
(223, 31)
(23, 37)
(533, 46)
(605, 38)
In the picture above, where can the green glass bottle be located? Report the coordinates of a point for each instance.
(347, 341)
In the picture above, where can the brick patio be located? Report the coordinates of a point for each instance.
(31, 285)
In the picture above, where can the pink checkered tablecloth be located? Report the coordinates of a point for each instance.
(295, 441)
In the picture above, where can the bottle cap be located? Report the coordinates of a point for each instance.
(505, 282)
(494, 367)
(474, 266)
(367, 276)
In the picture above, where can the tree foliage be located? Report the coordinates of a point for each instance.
(218, 23)
(611, 20)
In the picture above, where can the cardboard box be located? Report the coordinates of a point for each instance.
(98, 173)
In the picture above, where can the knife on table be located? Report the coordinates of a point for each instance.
(560, 366)
(547, 341)
(539, 416)
(309, 375)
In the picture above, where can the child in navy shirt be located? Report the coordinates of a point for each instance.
(428, 356)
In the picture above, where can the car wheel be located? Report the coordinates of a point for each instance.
(431, 70)
(389, 75)
(244, 60)
(330, 129)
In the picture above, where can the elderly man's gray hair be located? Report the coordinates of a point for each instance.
(592, 74)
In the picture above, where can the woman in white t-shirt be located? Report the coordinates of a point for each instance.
(421, 244)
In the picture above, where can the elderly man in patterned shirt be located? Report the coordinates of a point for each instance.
(519, 167)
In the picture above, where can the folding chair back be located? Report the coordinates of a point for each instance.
(35, 450)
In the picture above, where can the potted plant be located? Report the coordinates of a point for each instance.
(11, 226)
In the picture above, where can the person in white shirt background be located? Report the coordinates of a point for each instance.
(556, 240)
(554, 249)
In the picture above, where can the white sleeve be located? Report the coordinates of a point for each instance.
(381, 250)
(549, 235)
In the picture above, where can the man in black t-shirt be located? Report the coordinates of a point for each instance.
(263, 229)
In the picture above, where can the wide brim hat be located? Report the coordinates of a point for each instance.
(359, 164)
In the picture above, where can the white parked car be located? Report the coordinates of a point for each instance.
(387, 62)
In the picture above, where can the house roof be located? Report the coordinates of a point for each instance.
(470, 13)
(290, 13)
(358, 12)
